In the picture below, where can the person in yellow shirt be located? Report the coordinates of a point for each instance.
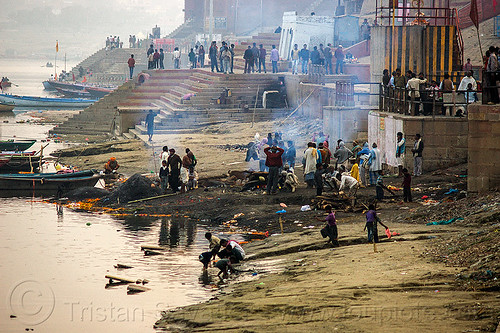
(355, 171)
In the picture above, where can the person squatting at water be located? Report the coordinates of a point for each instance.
(371, 224)
(111, 166)
(330, 230)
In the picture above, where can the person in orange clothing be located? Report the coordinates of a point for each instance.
(111, 166)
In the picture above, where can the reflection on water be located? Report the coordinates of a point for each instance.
(71, 252)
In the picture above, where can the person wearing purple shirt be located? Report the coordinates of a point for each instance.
(371, 224)
(275, 56)
(331, 225)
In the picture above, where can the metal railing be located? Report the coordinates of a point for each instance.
(437, 13)
(428, 102)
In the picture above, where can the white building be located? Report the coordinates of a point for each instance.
(310, 30)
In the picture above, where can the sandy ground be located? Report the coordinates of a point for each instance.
(345, 289)
(430, 278)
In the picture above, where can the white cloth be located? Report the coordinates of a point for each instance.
(311, 156)
(177, 54)
(237, 247)
(465, 82)
(347, 182)
(414, 85)
(164, 156)
(376, 160)
(184, 175)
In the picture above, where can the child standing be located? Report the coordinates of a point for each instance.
(331, 226)
(379, 188)
(318, 178)
(163, 175)
(406, 186)
(371, 224)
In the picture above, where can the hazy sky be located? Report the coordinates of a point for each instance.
(30, 27)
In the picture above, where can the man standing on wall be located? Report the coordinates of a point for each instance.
(294, 56)
(262, 58)
(248, 56)
(328, 59)
(212, 54)
(417, 150)
(304, 58)
(339, 55)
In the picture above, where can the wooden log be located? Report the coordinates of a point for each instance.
(119, 279)
(152, 253)
(153, 247)
(134, 288)
(152, 198)
(121, 266)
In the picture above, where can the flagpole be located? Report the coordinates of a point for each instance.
(479, 39)
(55, 61)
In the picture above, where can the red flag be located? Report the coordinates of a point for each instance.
(473, 13)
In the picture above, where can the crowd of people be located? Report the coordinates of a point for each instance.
(425, 95)
(222, 58)
(113, 42)
(177, 173)
(345, 170)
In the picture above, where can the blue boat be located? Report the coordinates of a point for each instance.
(46, 184)
(30, 101)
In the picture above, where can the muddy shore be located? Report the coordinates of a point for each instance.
(441, 278)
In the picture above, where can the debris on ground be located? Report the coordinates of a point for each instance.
(135, 188)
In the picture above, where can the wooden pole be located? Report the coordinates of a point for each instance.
(479, 39)
(255, 105)
(281, 225)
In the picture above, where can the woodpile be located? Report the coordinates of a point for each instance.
(338, 202)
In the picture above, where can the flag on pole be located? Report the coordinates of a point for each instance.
(57, 46)
(473, 13)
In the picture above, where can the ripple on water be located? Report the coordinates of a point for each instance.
(72, 258)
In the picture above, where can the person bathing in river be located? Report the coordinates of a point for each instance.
(214, 243)
(232, 250)
(111, 166)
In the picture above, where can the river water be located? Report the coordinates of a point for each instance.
(54, 260)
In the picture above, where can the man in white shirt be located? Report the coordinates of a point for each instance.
(465, 82)
(413, 86)
(349, 184)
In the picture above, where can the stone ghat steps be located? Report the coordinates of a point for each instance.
(186, 119)
(96, 118)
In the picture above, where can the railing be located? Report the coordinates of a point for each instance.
(429, 102)
(460, 40)
(438, 13)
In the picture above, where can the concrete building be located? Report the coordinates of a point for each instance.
(310, 30)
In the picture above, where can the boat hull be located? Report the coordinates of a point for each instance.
(98, 93)
(29, 101)
(20, 163)
(17, 145)
(13, 185)
(6, 107)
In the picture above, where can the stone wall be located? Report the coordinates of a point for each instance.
(347, 123)
(484, 148)
(445, 138)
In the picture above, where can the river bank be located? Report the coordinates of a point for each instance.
(398, 288)
(442, 278)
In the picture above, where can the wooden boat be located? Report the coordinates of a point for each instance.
(16, 145)
(98, 92)
(29, 101)
(70, 93)
(53, 85)
(20, 162)
(6, 107)
(45, 184)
